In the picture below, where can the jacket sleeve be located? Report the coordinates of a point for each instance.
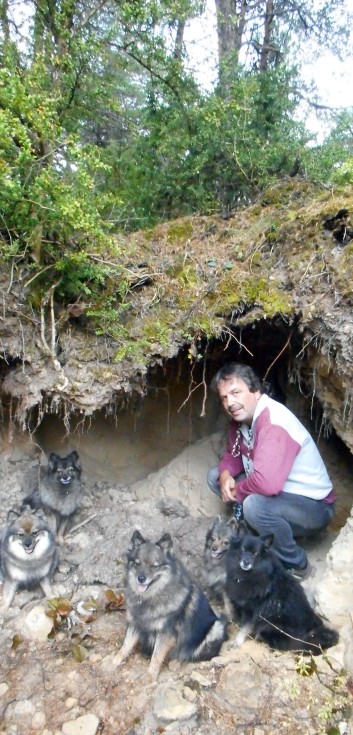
(273, 456)
(234, 465)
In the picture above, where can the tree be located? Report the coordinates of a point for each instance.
(264, 33)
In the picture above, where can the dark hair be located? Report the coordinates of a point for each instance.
(243, 372)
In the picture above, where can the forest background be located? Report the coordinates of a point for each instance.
(105, 128)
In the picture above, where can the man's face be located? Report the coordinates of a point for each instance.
(237, 400)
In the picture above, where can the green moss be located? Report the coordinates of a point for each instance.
(188, 276)
(179, 231)
(157, 331)
(266, 294)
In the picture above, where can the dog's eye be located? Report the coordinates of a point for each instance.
(35, 533)
(20, 534)
(155, 564)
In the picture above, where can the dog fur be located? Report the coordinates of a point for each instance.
(59, 492)
(167, 613)
(28, 555)
(268, 603)
(218, 538)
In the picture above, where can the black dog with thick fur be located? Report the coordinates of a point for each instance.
(59, 492)
(268, 603)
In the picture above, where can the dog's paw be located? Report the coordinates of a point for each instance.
(153, 673)
(242, 635)
(240, 639)
(3, 610)
(118, 660)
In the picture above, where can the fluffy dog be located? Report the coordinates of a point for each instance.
(167, 613)
(218, 538)
(59, 492)
(28, 555)
(268, 602)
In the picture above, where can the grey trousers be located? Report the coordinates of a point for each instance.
(286, 515)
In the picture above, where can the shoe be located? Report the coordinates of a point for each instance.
(300, 573)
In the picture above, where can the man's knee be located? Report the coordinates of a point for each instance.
(213, 480)
(253, 509)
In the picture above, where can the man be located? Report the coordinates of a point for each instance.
(271, 466)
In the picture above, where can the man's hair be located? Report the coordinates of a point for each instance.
(243, 372)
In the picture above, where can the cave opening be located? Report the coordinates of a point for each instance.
(143, 432)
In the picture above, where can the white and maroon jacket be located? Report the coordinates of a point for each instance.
(283, 456)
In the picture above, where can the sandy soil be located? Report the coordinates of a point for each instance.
(48, 685)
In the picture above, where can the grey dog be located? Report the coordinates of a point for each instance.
(167, 613)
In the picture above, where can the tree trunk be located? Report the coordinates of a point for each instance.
(179, 39)
(268, 28)
(231, 21)
(4, 20)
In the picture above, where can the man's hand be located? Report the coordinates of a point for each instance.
(228, 487)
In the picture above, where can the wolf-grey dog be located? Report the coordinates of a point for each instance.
(168, 615)
(28, 555)
(218, 538)
(60, 491)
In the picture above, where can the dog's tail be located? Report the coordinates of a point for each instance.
(211, 644)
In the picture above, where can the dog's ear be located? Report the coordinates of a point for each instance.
(74, 458)
(27, 509)
(233, 523)
(165, 542)
(137, 539)
(53, 462)
(12, 514)
(268, 540)
(39, 513)
(242, 529)
(214, 523)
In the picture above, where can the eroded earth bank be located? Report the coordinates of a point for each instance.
(122, 377)
(147, 470)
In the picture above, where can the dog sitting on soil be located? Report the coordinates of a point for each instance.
(218, 538)
(60, 491)
(167, 613)
(28, 555)
(268, 603)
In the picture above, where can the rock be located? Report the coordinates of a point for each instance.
(84, 725)
(38, 720)
(24, 708)
(170, 705)
(172, 507)
(3, 688)
(82, 540)
(245, 682)
(334, 595)
(63, 567)
(70, 702)
(37, 625)
(200, 679)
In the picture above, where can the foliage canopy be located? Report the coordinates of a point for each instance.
(103, 129)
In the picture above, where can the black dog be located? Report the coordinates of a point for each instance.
(268, 602)
(59, 492)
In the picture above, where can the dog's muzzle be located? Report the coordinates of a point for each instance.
(216, 553)
(246, 565)
(142, 583)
